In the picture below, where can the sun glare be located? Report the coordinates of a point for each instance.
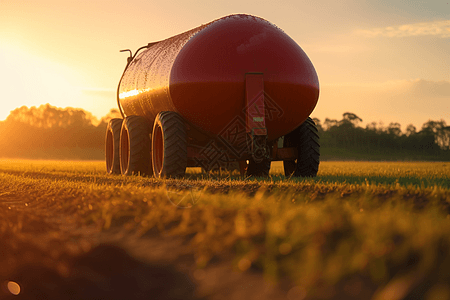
(31, 81)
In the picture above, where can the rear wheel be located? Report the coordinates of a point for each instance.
(135, 146)
(306, 139)
(169, 145)
(112, 146)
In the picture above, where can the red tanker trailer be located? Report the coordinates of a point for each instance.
(235, 90)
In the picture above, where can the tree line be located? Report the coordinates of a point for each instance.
(346, 139)
(48, 132)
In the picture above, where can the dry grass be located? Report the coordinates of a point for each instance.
(358, 230)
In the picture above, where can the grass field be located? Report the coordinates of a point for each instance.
(359, 230)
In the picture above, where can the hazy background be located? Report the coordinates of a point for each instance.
(383, 60)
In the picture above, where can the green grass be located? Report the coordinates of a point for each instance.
(358, 230)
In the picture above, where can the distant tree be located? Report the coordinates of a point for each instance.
(410, 130)
(47, 116)
(343, 133)
(440, 131)
(390, 141)
(381, 127)
(113, 113)
(51, 132)
(433, 126)
(444, 138)
(330, 123)
(350, 118)
(394, 129)
(372, 126)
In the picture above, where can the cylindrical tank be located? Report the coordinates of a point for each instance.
(201, 75)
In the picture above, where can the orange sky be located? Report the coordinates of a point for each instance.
(383, 60)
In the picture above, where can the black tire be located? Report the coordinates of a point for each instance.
(112, 146)
(169, 145)
(135, 146)
(260, 169)
(306, 139)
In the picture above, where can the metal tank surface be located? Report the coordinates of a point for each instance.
(238, 85)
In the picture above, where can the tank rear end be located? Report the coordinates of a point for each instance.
(201, 75)
(207, 82)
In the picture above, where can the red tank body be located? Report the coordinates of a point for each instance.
(201, 73)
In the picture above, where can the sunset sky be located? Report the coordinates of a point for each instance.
(385, 60)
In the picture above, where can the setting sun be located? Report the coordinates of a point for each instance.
(32, 80)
